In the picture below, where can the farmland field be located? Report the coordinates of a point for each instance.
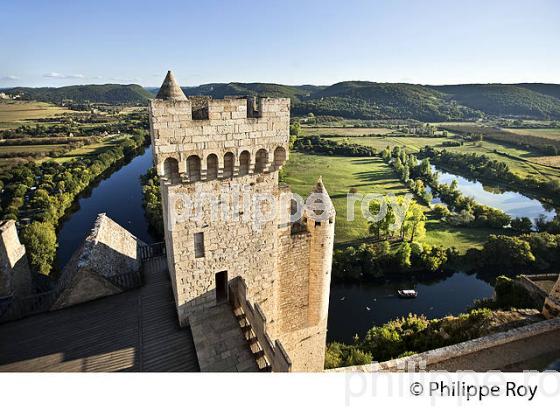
(552, 133)
(413, 144)
(90, 150)
(349, 131)
(16, 113)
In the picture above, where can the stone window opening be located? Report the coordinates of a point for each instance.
(212, 167)
(171, 169)
(261, 160)
(193, 168)
(199, 245)
(244, 163)
(229, 160)
(279, 157)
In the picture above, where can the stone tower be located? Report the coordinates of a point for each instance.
(15, 275)
(227, 218)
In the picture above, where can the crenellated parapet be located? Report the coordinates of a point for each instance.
(207, 139)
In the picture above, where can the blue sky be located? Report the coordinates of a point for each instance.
(59, 42)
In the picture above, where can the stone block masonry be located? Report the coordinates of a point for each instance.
(15, 275)
(203, 147)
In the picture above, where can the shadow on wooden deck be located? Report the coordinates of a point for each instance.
(135, 331)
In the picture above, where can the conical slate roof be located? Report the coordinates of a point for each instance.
(170, 90)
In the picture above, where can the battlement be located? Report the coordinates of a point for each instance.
(203, 139)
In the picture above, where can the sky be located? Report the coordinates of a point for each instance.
(60, 42)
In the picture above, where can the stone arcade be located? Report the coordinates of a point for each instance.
(279, 272)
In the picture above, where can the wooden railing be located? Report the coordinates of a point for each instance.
(152, 251)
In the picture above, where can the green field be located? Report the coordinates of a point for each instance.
(90, 150)
(16, 113)
(23, 149)
(350, 131)
(367, 175)
(412, 143)
(552, 133)
(523, 161)
(339, 175)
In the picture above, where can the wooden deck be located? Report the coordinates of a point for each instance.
(134, 331)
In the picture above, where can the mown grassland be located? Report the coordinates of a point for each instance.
(367, 175)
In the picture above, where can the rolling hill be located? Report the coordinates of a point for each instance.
(350, 99)
(105, 93)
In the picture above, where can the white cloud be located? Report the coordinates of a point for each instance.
(60, 76)
(9, 78)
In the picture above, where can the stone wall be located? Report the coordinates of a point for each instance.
(15, 275)
(107, 263)
(530, 284)
(440, 359)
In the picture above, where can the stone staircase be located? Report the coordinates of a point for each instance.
(252, 341)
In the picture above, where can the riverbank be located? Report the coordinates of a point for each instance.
(57, 188)
(118, 194)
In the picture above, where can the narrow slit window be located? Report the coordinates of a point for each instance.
(199, 245)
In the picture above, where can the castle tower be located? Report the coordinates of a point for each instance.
(15, 275)
(225, 217)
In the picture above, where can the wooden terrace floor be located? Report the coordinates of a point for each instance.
(134, 331)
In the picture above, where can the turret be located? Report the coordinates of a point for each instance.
(320, 223)
(170, 89)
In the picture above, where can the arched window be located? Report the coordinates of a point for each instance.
(244, 163)
(193, 168)
(279, 157)
(171, 169)
(229, 160)
(260, 160)
(212, 167)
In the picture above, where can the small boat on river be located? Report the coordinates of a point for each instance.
(407, 293)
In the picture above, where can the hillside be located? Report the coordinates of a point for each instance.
(367, 100)
(220, 90)
(505, 99)
(105, 93)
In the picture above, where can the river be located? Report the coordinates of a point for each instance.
(512, 203)
(355, 308)
(119, 195)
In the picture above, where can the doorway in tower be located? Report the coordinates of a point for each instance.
(221, 286)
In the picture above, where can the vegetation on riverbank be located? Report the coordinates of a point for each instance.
(415, 334)
(38, 195)
(151, 201)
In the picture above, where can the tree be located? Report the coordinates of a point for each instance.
(40, 242)
(507, 252)
(403, 254)
(414, 223)
(523, 224)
